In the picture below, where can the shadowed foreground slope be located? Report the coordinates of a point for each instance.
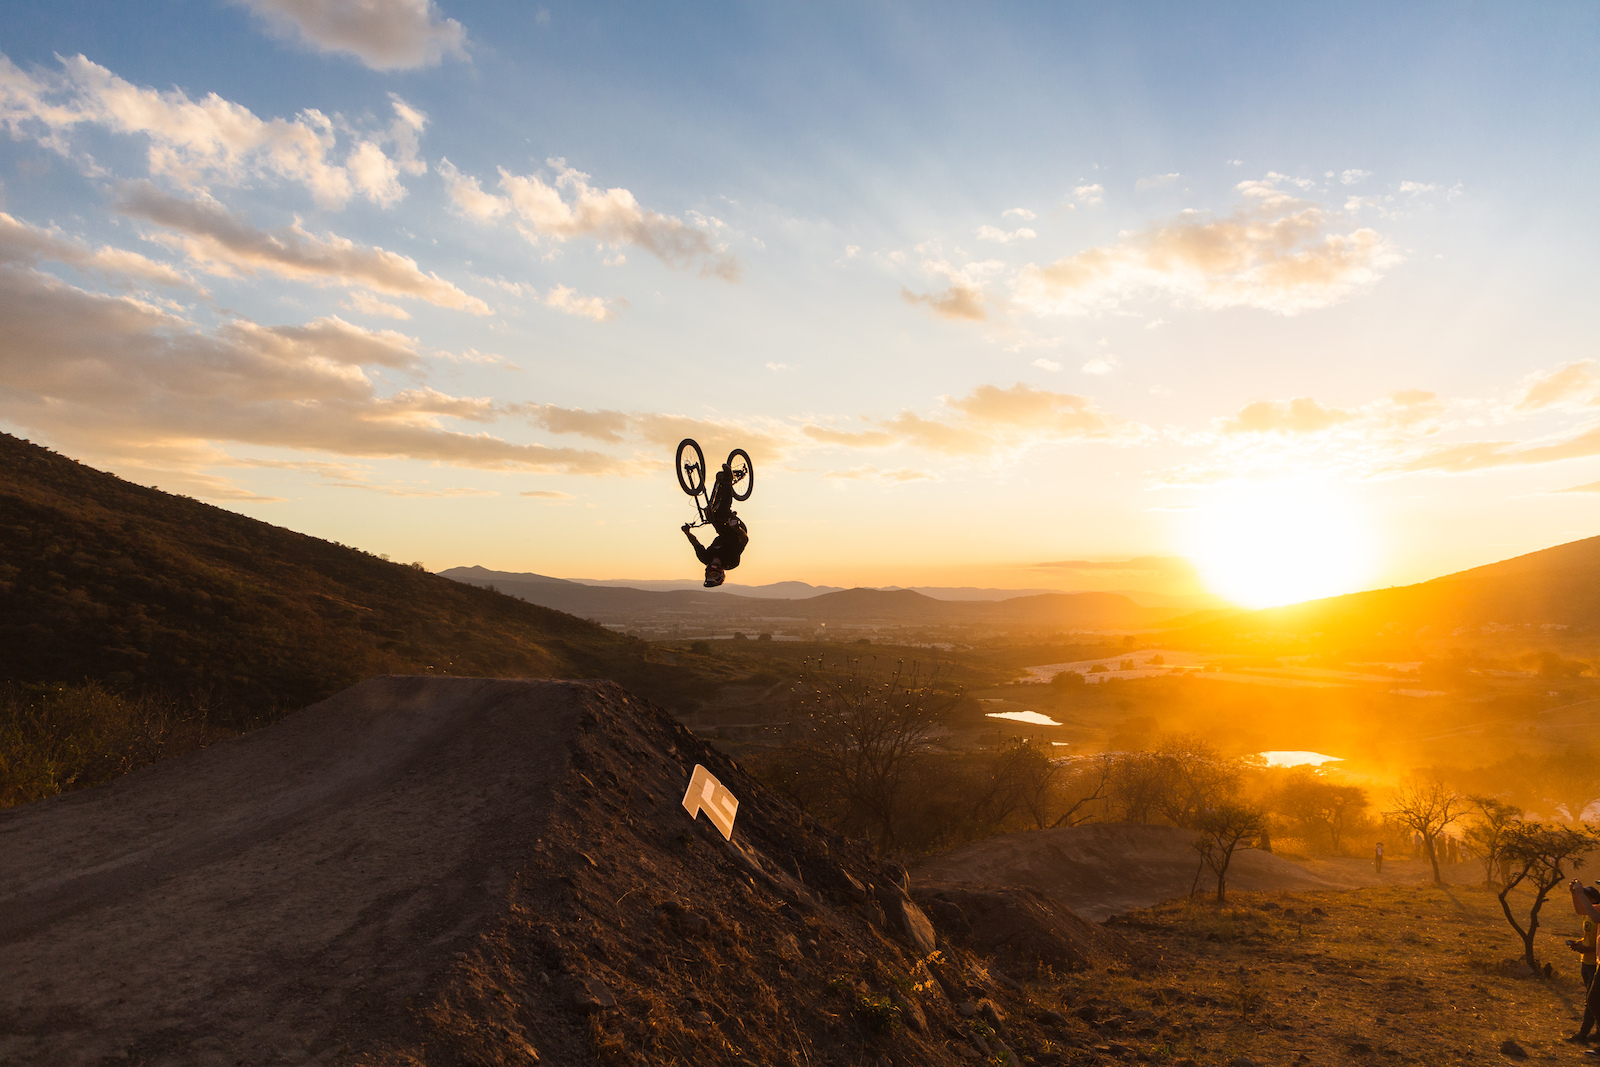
(455, 870)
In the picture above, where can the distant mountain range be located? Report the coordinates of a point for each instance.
(1550, 592)
(626, 606)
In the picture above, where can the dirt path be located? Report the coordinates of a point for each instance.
(1101, 869)
(260, 894)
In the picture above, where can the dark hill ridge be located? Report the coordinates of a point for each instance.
(107, 580)
(462, 871)
(1555, 588)
(860, 606)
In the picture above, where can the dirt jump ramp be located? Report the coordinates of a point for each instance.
(426, 870)
(1104, 869)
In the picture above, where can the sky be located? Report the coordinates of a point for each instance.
(1270, 301)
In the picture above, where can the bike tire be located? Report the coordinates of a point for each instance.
(742, 473)
(691, 474)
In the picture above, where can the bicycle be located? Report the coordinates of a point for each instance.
(691, 467)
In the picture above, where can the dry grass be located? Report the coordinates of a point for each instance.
(1396, 974)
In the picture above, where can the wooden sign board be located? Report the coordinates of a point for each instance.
(712, 797)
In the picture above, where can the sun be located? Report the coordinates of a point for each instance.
(1265, 544)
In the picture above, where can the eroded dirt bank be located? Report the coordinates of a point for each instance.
(444, 870)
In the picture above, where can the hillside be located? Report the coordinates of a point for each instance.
(106, 580)
(1553, 591)
(457, 870)
(851, 608)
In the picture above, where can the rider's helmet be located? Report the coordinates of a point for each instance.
(714, 575)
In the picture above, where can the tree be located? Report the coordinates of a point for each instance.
(1224, 830)
(1086, 782)
(1570, 779)
(1540, 855)
(858, 735)
(1318, 808)
(1427, 806)
(1494, 818)
(1193, 779)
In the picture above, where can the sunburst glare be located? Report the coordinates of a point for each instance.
(1265, 544)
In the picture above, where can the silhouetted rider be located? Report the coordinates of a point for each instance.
(723, 553)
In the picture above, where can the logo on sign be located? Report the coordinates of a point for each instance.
(712, 797)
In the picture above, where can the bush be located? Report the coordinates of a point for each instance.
(56, 738)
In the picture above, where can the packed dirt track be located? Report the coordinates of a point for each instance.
(453, 870)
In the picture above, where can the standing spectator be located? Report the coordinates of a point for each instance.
(1377, 858)
(1584, 901)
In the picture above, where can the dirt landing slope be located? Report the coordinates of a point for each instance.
(452, 871)
(1105, 869)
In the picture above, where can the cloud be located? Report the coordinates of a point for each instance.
(571, 207)
(1414, 188)
(368, 304)
(1487, 455)
(1089, 195)
(994, 233)
(226, 244)
(23, 244)
(590, 307)
(956, 302)
(1155, 181)
(1300, 415)
(383, 34)
(547, 494)
(1576, 383)
(116, 378)
(608, 426)
(986, 421)
(1047, 364)
(1274, 253)
(1351, 177)
(1161, 566)
(468, 197)
(1100, 365)
(899, 474)
(1019, 213)
(196, 142)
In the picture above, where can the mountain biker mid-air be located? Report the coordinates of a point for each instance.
(723, 553)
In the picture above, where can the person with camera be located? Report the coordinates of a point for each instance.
(1586, 903)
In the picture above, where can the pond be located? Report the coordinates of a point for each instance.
(1033, 718)
(1298, 758)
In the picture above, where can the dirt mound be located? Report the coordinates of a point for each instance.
(1018, 929)
(445, 871)
(1105, 869)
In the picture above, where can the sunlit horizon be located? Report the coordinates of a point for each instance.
(1027, 300)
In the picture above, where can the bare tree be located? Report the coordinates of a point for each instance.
(1224, 830)
(857, 736)
(1087, 782)
(1194, 779)
(1427, 806)
(1318, 807)
(1493, 820)
(1539, 855)
(1137, 779)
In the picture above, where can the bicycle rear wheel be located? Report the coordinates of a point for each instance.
(691, 464)
(744, 473)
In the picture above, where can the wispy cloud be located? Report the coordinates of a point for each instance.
(383, 34)
(1005, 237)
(986, 421)
(195, 142)
(1275, 252)
(569, 301)
(22, 243)
(225, 243)
(1090, 195)
(570, 207)
(1155, 181)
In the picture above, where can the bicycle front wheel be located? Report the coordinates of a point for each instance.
(744, 473)
(691, 464)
